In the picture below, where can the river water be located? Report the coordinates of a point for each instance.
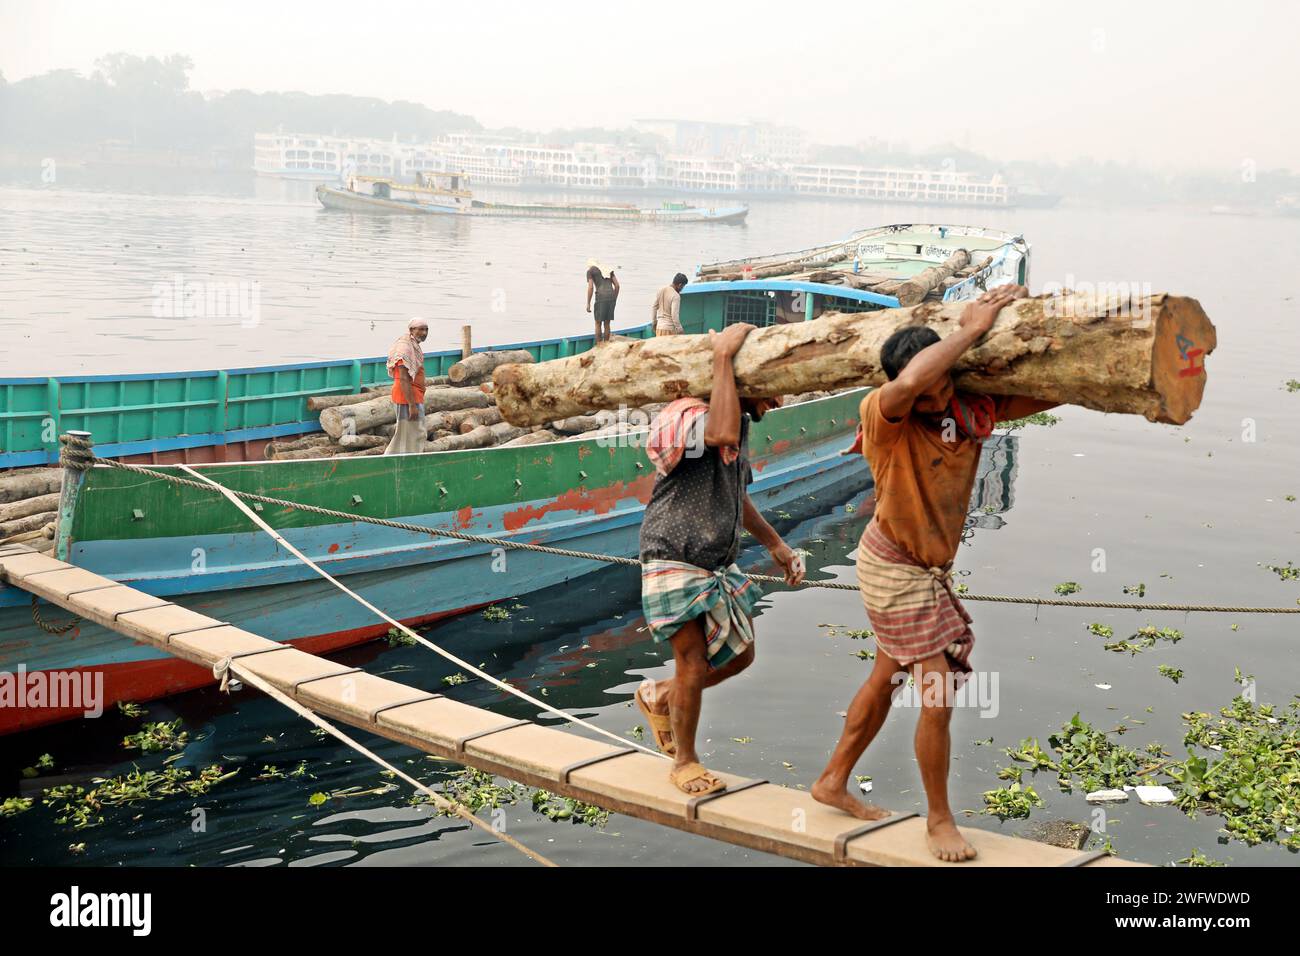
(1194, 513)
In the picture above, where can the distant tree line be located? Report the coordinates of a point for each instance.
(147, 102)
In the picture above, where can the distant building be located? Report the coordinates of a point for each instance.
(494, 160)
(729, 140)
(899, 185)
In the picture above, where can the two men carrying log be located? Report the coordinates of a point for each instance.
(923, 440)
(941, 393)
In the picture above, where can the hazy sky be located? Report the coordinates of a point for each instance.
(1204, 85)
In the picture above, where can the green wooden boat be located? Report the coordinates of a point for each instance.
(194, 548)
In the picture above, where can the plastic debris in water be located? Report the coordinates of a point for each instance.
(1107, 796)
(865, 786)
(1102, 686)
(1154, 796)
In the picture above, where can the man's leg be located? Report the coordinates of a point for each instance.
(865, 717)
(933, 679)
(691, 675)
(658, 693)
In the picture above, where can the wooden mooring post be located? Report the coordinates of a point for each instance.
(750, 813)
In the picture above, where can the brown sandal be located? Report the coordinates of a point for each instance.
(689, 773)
(661, 725)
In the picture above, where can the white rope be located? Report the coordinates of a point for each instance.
(225, 667)
(256, 519)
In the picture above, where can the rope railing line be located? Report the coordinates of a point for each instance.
(633, 562)
(465, 665)
(226, 666)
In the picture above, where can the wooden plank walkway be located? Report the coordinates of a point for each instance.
(754, 814)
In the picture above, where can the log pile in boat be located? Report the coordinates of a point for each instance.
(458, 416)
(1110, 352)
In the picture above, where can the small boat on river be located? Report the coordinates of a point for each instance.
(448, 194)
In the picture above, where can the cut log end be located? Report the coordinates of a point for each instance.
(1184, 337)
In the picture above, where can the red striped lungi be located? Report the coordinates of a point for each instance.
(912, 608)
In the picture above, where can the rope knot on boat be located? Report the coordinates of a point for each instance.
(221, 671)
(76, 452)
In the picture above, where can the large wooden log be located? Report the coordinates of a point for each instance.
(542, 437)
(29, 523)
(360, 442)
(914, 290)
(479, 366)
(482, 437)
(479, 417)
(354, 419)
(1108, 351)
(28, 506)
(577, 424)
(29, 483)
(320, 402)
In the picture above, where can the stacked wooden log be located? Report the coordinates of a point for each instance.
(29, 505)
(460, 413)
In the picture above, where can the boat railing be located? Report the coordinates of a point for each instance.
(154, 412)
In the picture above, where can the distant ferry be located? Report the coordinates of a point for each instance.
(436, 193)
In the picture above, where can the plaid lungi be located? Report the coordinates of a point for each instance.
(673, 592)
(912, 608)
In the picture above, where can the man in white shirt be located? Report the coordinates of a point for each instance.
(668, 307)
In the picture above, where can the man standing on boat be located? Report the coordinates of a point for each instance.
(603, 285)
(406, 366)
(665, 314)
(922, 439)
(692, 593)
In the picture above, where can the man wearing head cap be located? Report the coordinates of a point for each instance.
(406, 366)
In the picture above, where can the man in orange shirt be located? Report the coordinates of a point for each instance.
(406, 366)
(922, 439)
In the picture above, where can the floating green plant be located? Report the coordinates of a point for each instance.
(13, 806)
(43, 762)
(1249, 777)
(1143, 639)
(398, 638)
(81, 808)
(1173, 673)
(1287, 572)
(162, 735)
(453, 679)
(495, 612)
(1197, 858)
(1012, 803)
(1038, 418)
(1068, 587)
(1140, 590)
(130, 708)
(567, 808)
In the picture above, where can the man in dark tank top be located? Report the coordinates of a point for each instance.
(693, 594)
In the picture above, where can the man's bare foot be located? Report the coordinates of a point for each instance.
(838, 796)
(946, 842)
